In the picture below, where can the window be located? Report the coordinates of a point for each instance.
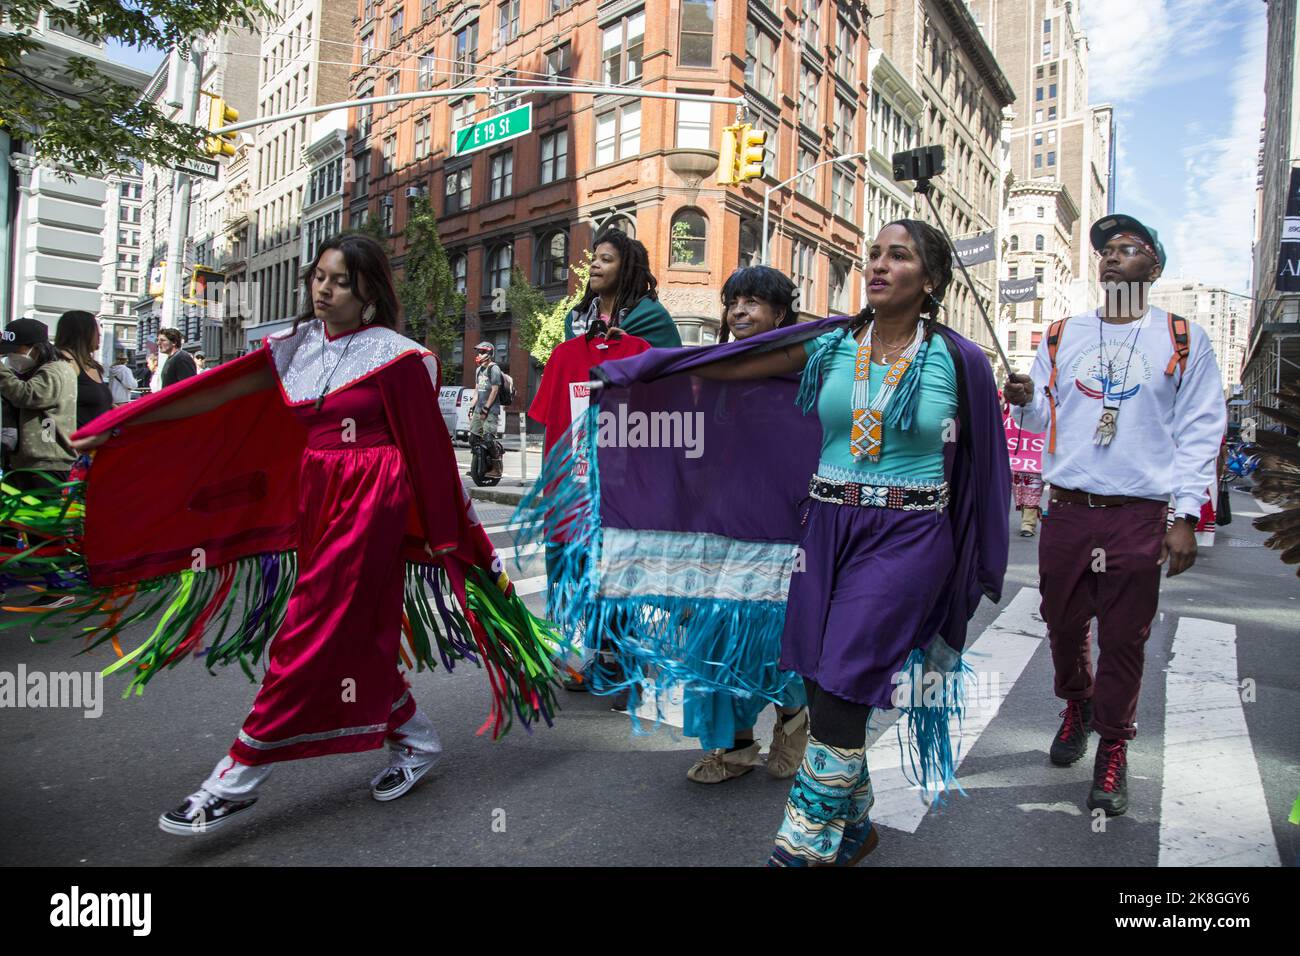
(1038, 242)
(1015, 243)
(811, 26)
(807, 185)
(365, 113)
(1051, 136)
(389, 155)
(459, 273)
(624, 224)
(693, 125)
(556, 6)
(1047, 26)
(618, 133)
(846, 61)
(462, 113)
(1038, 273)
(751, 243)
(802, 259)
(1011, 340)
(843, 184)
(553, 259)
(1051, 112)
(392, 86)
(1038, 139)
(1034, 339)
(362, 167)
(500, 260)
(457, 189)
(502, 175)
(808, 82)
(1051, 157)
(845, 120)
(555, 156)
(697, 33)
(1038, 161)
(507, 21)
(689, 232)
(1038, 93)
(621, 49)
(1038, 116)
(422, 126)
(839, 298)
(386, 214)
(367, 48)
(395, 23)
(559, 63)
(1042, 212)
(1051, 91)
(425, 76)
(760, 61)
(426, 10)
(465, 45)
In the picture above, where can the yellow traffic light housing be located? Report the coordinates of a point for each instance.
(727, 157)
(750, 144)
(221, 113)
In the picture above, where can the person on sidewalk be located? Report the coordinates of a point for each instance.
(755, 299)
(485, 406)
(121, 380)
(1132, 403)
(178, 364)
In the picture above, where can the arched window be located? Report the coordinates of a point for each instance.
(689, 238)
(499, 259)
(553, 259)
(1038, 242)
(1015, 243)
(459, 272)
(751, 243)
(624, 224)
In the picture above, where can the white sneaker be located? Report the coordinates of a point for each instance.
(393, 781)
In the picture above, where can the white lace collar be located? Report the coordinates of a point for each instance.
(310, 363)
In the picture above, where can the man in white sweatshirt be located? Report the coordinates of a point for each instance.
(1133, 407)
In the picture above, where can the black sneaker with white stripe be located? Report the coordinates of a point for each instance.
(202, 812)
(391, 782)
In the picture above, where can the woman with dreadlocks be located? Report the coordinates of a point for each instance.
(904, 531)
(622, 293)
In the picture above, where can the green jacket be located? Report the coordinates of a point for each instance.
(648, 319)
(50, 395)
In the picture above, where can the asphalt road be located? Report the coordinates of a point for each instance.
(588, 791)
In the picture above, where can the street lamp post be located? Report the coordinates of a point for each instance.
(767, 193)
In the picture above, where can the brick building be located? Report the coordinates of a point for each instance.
(644, 165)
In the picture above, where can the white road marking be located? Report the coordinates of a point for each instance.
(526, 551)
(1212, 807)
(1069, 808)
(530, 585)
(1003, 649)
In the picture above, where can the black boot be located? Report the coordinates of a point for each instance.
(1110, 778)
(1071, 741)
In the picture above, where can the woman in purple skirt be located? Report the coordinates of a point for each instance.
(905, 530)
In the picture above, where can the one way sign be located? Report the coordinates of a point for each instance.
(207, 168)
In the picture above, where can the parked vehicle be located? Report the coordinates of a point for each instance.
(453, 403)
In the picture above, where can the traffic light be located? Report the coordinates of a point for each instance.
(220, 114)
(749, 164)
(727, 157)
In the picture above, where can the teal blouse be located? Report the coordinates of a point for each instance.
(914, 455)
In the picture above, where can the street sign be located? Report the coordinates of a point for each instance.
(496, 129)
(197, 167)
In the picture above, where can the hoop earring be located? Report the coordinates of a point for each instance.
(368, 314)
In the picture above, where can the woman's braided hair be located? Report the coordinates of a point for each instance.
(936, 260)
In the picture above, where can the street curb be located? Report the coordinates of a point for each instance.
(496, 495)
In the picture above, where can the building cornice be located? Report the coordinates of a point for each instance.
(963, 25)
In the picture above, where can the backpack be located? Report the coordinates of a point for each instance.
(1178, 336)
(506, 393)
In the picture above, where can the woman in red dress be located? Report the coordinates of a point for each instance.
(326, 442)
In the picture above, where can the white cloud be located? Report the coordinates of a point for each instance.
(1210, 239)
(1137, 45)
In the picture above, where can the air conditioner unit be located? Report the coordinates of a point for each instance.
(388, 200)
(412, 192)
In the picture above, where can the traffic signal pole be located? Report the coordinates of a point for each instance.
(181, 186)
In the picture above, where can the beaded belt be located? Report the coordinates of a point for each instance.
(926, 498)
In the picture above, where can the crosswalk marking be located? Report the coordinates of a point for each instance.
(1212, 807)
(1004, 648)
(530, 585)
(526, 551)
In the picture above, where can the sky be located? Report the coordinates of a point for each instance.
(1186, 78)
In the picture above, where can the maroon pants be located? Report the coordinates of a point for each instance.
(1102, 563)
